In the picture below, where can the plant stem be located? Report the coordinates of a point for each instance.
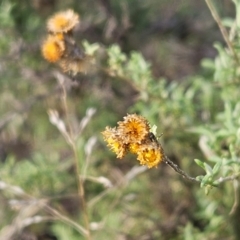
(222, 29)
(81, 192)
(229, 178)
(80, 181)
(67, 220)
(19, 192)
(177, 169)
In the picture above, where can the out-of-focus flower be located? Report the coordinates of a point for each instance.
(60, 47)
(76, 65)
(53, 48)
(133, 135)
(63, 22)
(59, 36)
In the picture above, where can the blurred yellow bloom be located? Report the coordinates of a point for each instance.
(59, 36)
(53, 48)
(63, 22)
(60, 46)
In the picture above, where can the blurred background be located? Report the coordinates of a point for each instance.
(173, 37)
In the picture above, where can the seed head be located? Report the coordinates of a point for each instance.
(133, 135)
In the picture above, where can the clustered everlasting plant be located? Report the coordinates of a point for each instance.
(134, 135)
(60, 46)
(199, 117)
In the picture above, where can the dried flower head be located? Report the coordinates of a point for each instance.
(61, 47)
(76, 65)
(63, 22)
(110, 135)
(53, 48)
(59, 36)
(150, 154)
(134, 128)
(133, 135)
(134, 147)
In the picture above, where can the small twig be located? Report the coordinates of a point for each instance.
(178, 170)
(230, 178)
(222, 29)
(129, 176)
(185, 175)
(16, 190)
(65, 219)
(172, 164)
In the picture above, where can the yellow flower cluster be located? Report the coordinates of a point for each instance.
(133, 135)
(60, 47)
